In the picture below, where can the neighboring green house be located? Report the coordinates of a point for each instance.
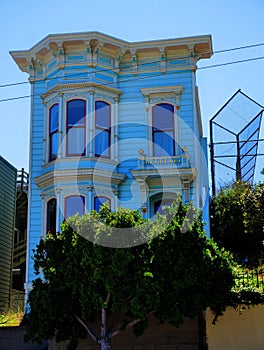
(8, 179)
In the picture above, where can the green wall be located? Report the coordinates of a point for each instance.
(8, 175)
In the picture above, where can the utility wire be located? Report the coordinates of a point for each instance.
(140, 78)
(156, 61)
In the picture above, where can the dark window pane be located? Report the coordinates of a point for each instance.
(53, 146)
(102, 115)
(102, 143)
(76, 113)
(54, 118)
(53, 131)
(163, 130)
(73, 205)
(160, 204)
(163, 117)
(51, 215)
(98, 201)
(76, 141)
(163, 144)
(102, 129)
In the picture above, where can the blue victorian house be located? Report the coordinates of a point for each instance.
(112, 121)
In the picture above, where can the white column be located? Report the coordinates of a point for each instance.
(46, 136)
(149, 150)
(87, 134)
(116, 200)
(91, 125)
(177, 134)
(44, 215)
(59, 209)
(114, 134)
(61, 130)
(89, 199)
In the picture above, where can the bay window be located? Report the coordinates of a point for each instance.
(75, 128)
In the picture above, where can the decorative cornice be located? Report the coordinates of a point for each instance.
(75, 176)
(91, 86)
(179, 173)
(58, 44)
(162, 90)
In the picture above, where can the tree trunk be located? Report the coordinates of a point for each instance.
(105, 343)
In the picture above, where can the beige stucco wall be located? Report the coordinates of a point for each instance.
(235, 331)
(157, 337)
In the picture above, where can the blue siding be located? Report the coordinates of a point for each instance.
(100, 74)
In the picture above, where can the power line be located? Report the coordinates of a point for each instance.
(156, 61)
(141, 78)
(233, 62)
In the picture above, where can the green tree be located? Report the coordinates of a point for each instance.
(237, 220)
(176, 273)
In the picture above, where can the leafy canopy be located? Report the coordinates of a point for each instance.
(238, 220)
(86, 287)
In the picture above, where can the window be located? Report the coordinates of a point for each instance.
(102, 129)
(160, 204)
(76, 110)
(163, 130)
(53, 131)
(73, 205)
(98, 201)
(51, 215)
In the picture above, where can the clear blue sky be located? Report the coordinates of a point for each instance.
(232, 23)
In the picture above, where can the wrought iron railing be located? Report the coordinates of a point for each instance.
(251, 278)
(181, 161)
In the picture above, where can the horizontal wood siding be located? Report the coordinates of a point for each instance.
(132, 125)
(8, 176)
(35, 212)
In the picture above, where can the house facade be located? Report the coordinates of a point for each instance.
(8, 177)
(112, 121)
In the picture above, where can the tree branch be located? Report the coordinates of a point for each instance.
(107, 299)
(88, 330)
(129, 325)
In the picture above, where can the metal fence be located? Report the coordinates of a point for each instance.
(251, 278)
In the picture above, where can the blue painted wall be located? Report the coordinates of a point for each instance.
(98, 67)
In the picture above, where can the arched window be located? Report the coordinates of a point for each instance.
(51, 215)
(163, 130)
(160, 204)
(102, 129)
(73, 205)
(76, 110)
(53, 131)
(98, 201)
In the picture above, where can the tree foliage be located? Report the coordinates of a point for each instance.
(237, 220)
(88, 288)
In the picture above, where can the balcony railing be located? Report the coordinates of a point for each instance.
(22, 180)
(181, 161)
